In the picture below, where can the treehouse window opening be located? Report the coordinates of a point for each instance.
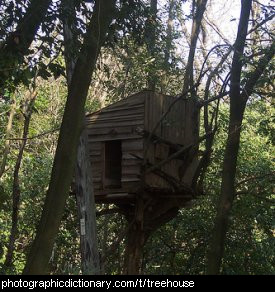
(113, 156)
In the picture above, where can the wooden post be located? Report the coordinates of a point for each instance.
(86, 209)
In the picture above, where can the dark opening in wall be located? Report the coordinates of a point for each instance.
(112, 167)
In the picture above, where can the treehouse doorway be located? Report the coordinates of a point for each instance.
(112, 164)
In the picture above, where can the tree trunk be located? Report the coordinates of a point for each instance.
(168, 43)
(200, 6)
(134, 250)
(7, 142)
(135, 241)
(86, 210)
(65, 157)
(169, 33)
(83, 174)
(232, 148)
(68, 16)
(16, 192)
(199, 175)
(151, 41)
(238, 101)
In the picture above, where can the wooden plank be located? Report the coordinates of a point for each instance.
(130, 179)
(151, 112)
(107, 131)
(94, 152)
(157, 102)
(119, 118)
(173, 125)
(132, 186)
(94, 145)
(161, 151)
(156, 181)
(192, 122)
(132, 154)
(132, 100)
(107, 198)
(113, 110)
(132, 145)
(97, 164)
(126, 103)
(151, 153)
(130, 161)
(127, 113)
(96, 179)
(119, 130)
(146, 112)
(115, 196)
(116, 125)
(118, 137)
(95, 158)
(172, 168)
(96, 169)
(97, 174)
(130, 169)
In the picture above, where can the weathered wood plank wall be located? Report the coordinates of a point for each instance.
(176, 128)
(118, 122)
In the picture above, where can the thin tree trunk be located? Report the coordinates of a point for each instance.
(200, 7)
(238, 101)
(168, 43)
(232, 148)
(151, 41)
(65, 157)
(83, 175)
(86, 210)
(198, 178)
(135, 242)
(169, 32)
(16, 192)
(68, 16)
(104, 240)
(7, 142)
(134, 250)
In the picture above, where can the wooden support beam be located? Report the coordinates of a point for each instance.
(177, 154)
(115, 198)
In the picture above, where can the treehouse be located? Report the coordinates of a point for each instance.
(144, 155)
(143, 147)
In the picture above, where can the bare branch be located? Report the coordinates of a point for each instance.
(254, 77)
(36, 136)
(177, 154)
(255, 177)
(219, 96)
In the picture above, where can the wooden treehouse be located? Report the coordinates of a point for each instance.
(140, 155)
(144, 155)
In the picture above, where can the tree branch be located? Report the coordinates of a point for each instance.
(36, 136)
(206, 102)
(254, 77)
(254, 177)
(177, 154)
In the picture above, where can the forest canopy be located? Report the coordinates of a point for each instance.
(60, 60)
